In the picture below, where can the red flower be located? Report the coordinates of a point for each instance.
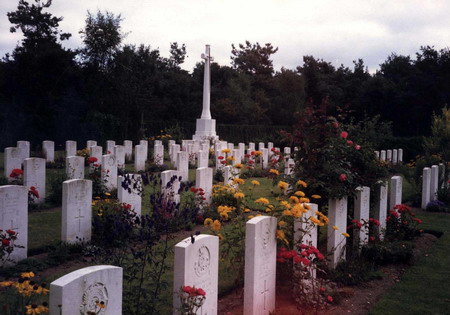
(92, 159)
(342, 177)
(349, 142)
(194, 190)
(372, 238)
(201, 292)
(5, 242)
(330, 299)
(11, 232)
(336, 125)
(320, 256)
(357, 147)
(16, 172)
(322, 290)
(418, 220)
(186, 289)
(223, 162)
(220, 157)
(273, 149)
(344, 134)
(34, 191)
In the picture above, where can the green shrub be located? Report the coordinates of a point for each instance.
(383, 253)
(55, 188)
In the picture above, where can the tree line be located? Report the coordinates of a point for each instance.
(106, 89)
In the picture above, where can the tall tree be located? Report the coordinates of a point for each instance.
(253, 58)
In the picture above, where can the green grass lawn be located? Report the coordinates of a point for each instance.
(424, 288)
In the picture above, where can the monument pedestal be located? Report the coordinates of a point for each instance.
(205, 130)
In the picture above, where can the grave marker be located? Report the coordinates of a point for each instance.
(139, 158)
(337, 215)
(109, 171)
(395, 195)
(48, 148)
(129, 190)
(75, 167)
(362, 208)
(13, 159)
(34, 176)
(380, 212)
(204, 180)
(183, 165)
(71, 148)
(434, 182)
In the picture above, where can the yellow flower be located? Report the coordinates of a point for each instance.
(304, 200)
(231, 158)
(239, 165)
(224, 215)
(101, 304)
(6, 283)
(315, 221)
(250, 217)
(208, 221)
(307, 206)
(302, 183)
(268, 209)
(262, 200)
(272, 171)
(239, 195)
(282, 185)
(238, 181)
(221, 238)
(226, 150)
(27, 275)
(299, 193)
(316, 196)
(32, 309)
(346, 234)
(335, 228)
(294, 199)
(281, 236)
(107, 194)
(247, 210)
(255, 182)
(216, 226)
(287, 213)
(285, 204)
(282, 224)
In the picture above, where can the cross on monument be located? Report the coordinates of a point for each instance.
(206, 113)
(264, 292)
(79, 219)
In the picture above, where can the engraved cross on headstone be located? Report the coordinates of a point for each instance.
(79, 219)
(264, 292)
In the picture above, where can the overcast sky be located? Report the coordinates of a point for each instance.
(338, 31)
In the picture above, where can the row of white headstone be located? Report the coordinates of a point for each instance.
(430, 182)
(394, 156)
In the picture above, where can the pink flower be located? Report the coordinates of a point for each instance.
(342, 177)
(349, 142)
(330, 299)
(357, 147)
(344, 134)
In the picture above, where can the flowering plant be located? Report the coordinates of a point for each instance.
(16, 176)
(402, 224)
(24, 296)
(7, 240)
(191, 299)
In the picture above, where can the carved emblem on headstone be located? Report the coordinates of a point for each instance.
(111, 161)
(201, 266)
(14, 153)
(266, 233)
(95, 299)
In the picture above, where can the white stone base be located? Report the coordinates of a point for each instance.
(205, 130)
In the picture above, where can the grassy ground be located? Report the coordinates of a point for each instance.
(424, 288)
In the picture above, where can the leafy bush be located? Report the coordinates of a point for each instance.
(354, 271)
(402, 224)
(437, 206)
(55, 188)
(383, 253)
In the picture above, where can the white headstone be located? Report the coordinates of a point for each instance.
(389, 156)
(90, 143)
(197, 265)
(75, 167)
(144, 143)
(183, 165)
(171, 143)
(395, 156)
(109, 171)
(337, 215)
(287, 152)
(81, 291)
(362, 208)
(14, 216)
(76, 211)
(128, 144)
(251, 146)
(288, 167)
(400, 156)
(381, 205)
(97, 152)
(237, 156)
(383, 155)
(377, 155)
(202, 158)
(129, 190)
(260, 265)
(174, 157)
(48, 148)
(260, 146)
(119, 152)
(139, 158)
(204, 180)
(395, 195)
(24, 147)
(270, 147)
(301, 225)
(426, 186)
(241, 147)
(265, 158)
(110, 144)
(158, 154)
(170, 185)
(71, 148)
(228, 175)
(34, 176)
(434, 182)
(13, 160)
